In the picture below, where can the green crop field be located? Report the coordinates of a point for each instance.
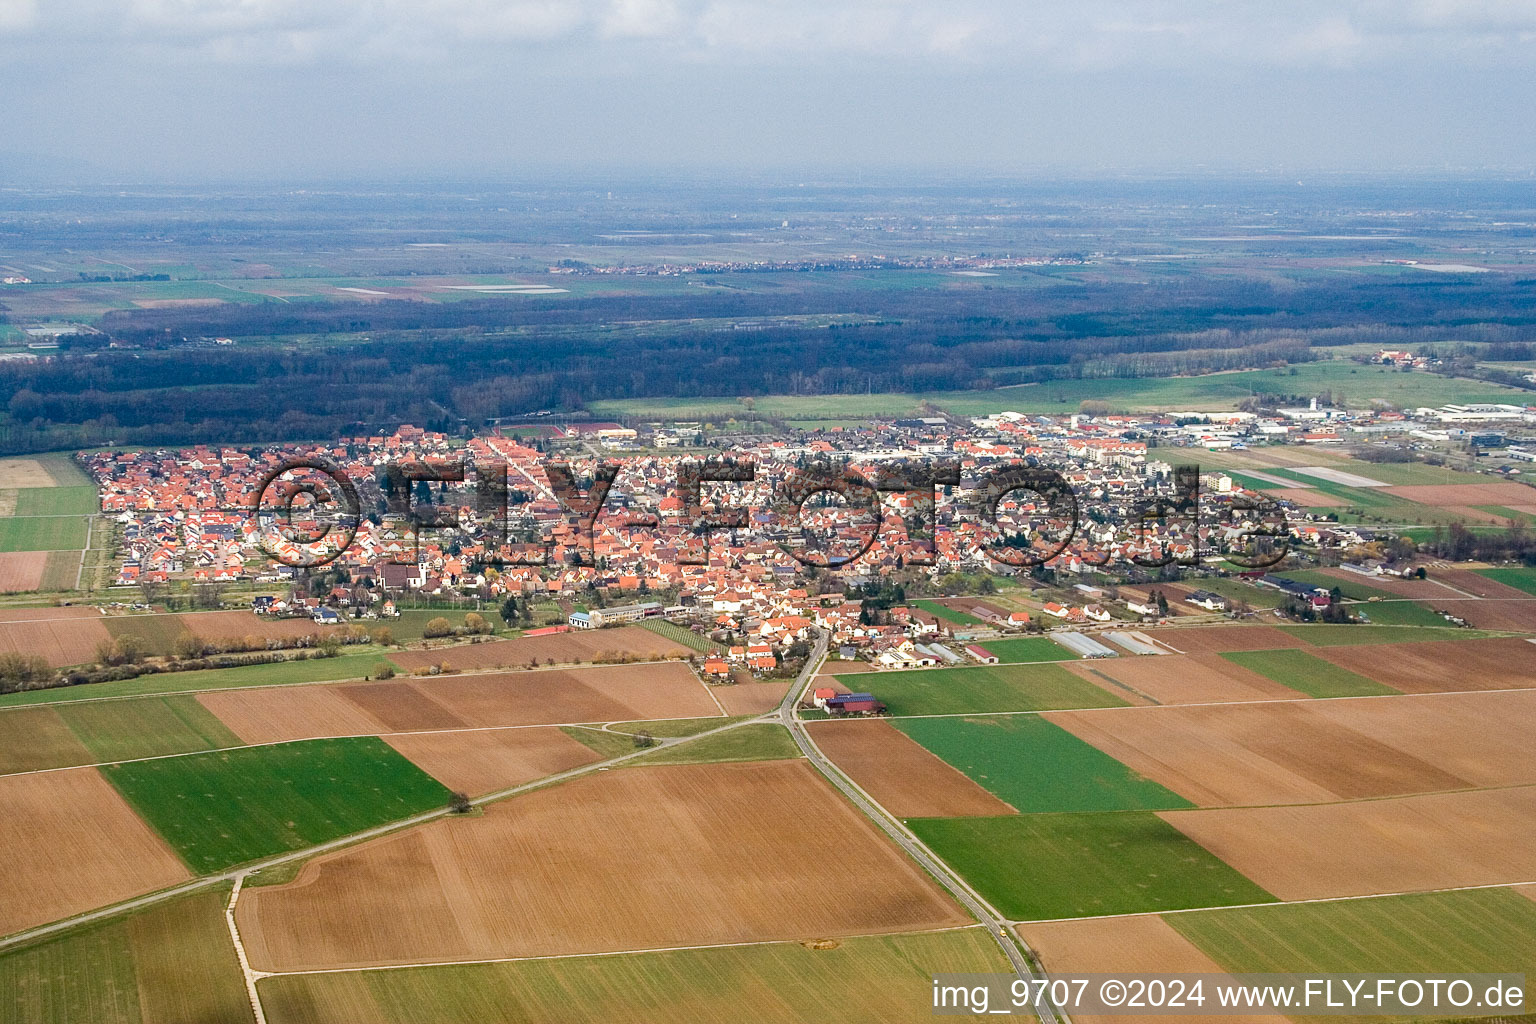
(157, 633)
(1015, 650)
(1328, 634)
(1307, 673)
(946, 613)
(171, 962)
(606, 744)
(764, 741)
(1037, 766)
(42, 533)
(1388, 610)
(225, 808)
(118, 730)
(1035, 867)
(1476, 930)
(1520, 578)
(1238, 590)
(56, 501)
(863, 980)
(307, 670)
(675, 726)
(679, 635)
(981, 688)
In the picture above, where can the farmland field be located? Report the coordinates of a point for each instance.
(145, 727)
(1044, 866)
(225, 808)
(303, 670)
(950, 615)
(1307, 673)
(1396, 844)
(172, 962)
(1028, 648)
(1297, 752)
(501, 884)
(614, 693)
(938, 691)
(42, 533)
(762, 741)
(1487, 930)
(557, 648)
(61, 636)
(674, 727)
(1036, 766)
(35, 738)
(1523, 579)
(485, 760)
(24, 570)
(1434, 667)
(679, 635)
(862, 980)
(1180, 679)
(56, 501)
(1221, 639)
(752, 698)
(1328, 634)
(74, 845)
(902, 776)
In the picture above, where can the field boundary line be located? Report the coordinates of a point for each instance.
(603, 953)
(1278, 903)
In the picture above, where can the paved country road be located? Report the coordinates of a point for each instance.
(995, 923)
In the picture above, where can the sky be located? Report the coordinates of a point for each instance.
(180, 90)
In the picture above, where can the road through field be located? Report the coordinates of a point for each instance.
(995, 923)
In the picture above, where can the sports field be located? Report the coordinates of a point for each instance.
(1045, 866)
(172, 962)
(982, 688)
(1036, 766)
(1307, 673)
(225, 808)
(860, 980)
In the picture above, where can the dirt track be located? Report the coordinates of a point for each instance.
(641, 858)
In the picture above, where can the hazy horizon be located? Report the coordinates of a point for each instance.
(358, 90)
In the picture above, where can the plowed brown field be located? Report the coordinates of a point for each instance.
(1402, 844)
(222, 627)
(607, 693)
(643, 858)
(901, 774)
(1217, 639)
(1120, 945)
(62, 636)
(486, 760)
(289, 713)
(751, 698)
(1442, 666)
(33, 738)
(565, 648)
(22, 570)
(1464, 494)
(1183, 679)
(71, 845)
(24, 473)
(1282, 752)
